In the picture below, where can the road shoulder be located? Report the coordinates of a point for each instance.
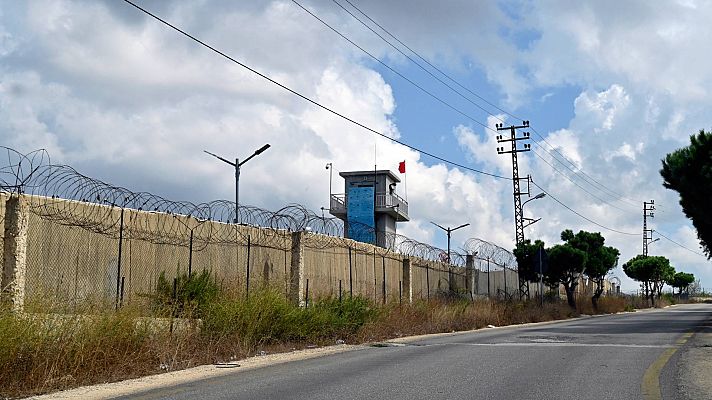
(693, 379)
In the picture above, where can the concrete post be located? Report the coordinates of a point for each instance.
(296, 272)
(469, 276)
(407, 280)
(15, 252)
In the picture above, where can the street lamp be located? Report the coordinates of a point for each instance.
(449, 232)
(237, 164)
(539, 196)
(531, 221)
(330, 167)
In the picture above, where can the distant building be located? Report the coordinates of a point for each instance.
(369, 206)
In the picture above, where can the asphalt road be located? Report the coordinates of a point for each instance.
(625, 356)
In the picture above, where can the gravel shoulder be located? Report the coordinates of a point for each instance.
(694, 376)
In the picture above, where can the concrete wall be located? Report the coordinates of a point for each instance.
(77, 259)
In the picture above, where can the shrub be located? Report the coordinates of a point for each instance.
(186, 296)
(267, 317)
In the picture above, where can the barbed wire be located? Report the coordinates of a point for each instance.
(485, 250)
(63, 195)
(17, 170)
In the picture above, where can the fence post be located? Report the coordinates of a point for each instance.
(296, 273)
(427, 279)
(118, 262)
(489, 292)
(190, 255)
(504, 275)
(383, 284)
(408, 280)
(351, 280)
(247, 275)
(15, 251)
(469, 280)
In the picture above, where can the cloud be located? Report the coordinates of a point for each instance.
(126, 100)
(130, 102)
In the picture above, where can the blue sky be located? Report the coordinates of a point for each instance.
(610, 85)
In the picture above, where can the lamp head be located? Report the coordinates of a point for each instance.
(262, 149)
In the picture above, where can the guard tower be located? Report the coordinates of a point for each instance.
(369, 206)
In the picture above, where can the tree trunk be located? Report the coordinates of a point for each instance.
(597, 294)
(570, 296)
(652, 294)
(647, 294)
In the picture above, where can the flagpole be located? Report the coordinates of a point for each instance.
(405, 183)
(405, 177)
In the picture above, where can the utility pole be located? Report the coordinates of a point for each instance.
(518, 211)
(648, 208)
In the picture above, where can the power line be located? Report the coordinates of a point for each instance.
(443, 101)
(678, 244)
(581, 215)
(575, 183)
(359, 124)
(343, 36)
(395, 71)
(591, 181)
(307, 98)
(417, 55)
(416, 62)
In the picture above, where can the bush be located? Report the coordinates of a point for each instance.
(186, 296)
(50, 352)
(267, 317)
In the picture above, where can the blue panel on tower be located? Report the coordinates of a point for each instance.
(360, 214)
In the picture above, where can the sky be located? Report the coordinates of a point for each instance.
(609, 89)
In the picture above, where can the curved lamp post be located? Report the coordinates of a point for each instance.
(237, 164)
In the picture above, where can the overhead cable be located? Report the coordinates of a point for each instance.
(581, 215)
(310, 100)
(590, 180)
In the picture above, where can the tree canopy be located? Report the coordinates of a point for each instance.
(681, 281)
(600, 259)
(525, 254)
(688, 171)
(566, 264)
(653, 271)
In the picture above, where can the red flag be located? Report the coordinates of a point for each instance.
(401, 167)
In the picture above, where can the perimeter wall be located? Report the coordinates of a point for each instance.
(105, 253)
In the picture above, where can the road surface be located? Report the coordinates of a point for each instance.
(625, 356)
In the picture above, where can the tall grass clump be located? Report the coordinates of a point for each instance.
(186, 295)
(51, 351)
(266, 317)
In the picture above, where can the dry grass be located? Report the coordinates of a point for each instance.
(448, 316)
(46, 352)
(606, 305)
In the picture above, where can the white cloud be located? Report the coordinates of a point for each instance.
(124, 99)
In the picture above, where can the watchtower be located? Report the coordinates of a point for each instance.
(369, 206)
